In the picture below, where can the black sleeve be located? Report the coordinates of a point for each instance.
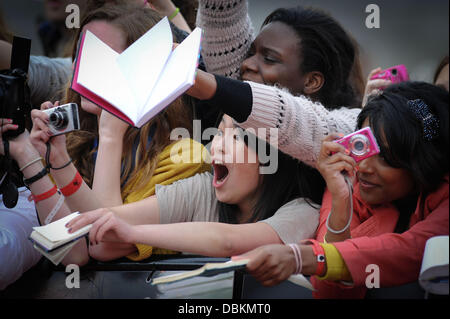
(233, 97)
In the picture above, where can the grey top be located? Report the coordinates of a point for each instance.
(194, 200)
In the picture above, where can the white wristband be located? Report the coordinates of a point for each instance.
(55, 209)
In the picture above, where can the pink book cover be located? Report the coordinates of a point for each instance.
(90, 95)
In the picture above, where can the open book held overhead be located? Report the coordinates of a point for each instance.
(138, 83)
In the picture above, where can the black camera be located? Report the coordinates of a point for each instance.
(14, 104)
(14, 93)
(14, 100)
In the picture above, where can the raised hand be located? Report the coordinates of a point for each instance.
(111, 126)
(374, 86)
(333, 160)
(40, 135)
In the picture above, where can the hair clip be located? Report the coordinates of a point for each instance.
(429, 122)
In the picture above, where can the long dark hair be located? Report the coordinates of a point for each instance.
(393, 122)
(325, 47)
(292, 179)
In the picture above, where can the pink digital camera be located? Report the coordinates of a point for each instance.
(361, 144)
(395, 74)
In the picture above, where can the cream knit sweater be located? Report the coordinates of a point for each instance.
(301, 123)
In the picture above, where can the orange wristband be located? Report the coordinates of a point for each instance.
(43, 196)
(73, 186)
(319, 252)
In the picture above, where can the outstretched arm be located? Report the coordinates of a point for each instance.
(204, 238)
(295, 123)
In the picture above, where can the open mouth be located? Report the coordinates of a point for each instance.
(220, 173)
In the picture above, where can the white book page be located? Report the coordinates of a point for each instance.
(57, 230)
(436, 253)
(177, 76)
(99, 73)
(57, 255)
(143, 61)
(301, 280)
(435, 267)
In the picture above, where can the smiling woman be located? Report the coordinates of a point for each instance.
(400, 200)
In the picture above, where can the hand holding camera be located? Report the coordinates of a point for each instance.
(340, 155)
(394, 74)
(49, 126)
(379, 79)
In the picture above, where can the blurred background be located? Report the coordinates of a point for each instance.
(412, 32)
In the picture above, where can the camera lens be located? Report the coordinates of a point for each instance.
(59, 119)
(394, 72)
(359, 145)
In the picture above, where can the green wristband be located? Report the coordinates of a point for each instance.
(174, 14)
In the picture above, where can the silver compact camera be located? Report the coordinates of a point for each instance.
(63, 119)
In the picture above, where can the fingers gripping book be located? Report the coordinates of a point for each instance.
(138, 83)
(54, 241)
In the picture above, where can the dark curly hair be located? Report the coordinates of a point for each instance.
(325, 47)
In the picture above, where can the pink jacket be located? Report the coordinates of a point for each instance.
(398, 256)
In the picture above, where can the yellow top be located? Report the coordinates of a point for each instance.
(179, 160)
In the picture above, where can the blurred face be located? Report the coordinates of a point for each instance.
(442, 79)
(236, 167)
(380, 183)
(112, 36)
(274, 57)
